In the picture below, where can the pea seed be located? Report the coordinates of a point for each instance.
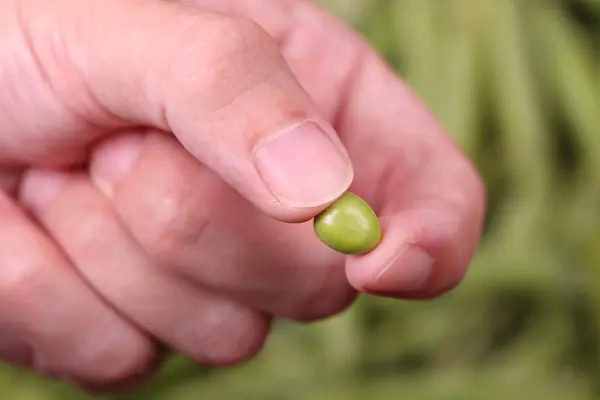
(349, 225)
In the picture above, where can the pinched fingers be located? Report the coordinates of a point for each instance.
(189, 319)
(52, 321)
(196, 226)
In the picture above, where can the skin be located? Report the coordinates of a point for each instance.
(149, 206)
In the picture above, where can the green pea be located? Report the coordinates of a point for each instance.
(349, 225)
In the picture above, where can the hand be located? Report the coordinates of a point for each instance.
(172, 154)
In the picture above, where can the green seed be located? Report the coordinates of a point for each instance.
(349, 225)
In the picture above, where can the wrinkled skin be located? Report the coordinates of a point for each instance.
(132, 218)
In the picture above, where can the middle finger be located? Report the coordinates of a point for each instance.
(188, 220)
(203, 325)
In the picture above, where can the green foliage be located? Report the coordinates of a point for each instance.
(517, 83)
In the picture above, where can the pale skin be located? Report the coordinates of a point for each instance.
(162, 162)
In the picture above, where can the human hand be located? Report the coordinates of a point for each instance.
(185, 239)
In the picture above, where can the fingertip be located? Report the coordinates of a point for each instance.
(131, 364)
(411, 262)
(408, 270)
(410, 273)
(113, 158)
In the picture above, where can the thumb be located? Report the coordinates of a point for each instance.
(218, 83)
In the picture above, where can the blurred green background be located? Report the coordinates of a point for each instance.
(517, 83)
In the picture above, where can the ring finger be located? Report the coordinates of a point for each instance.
(51, 321)
(196, 322)
(194, 224)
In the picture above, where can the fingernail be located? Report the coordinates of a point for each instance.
(113, 159)
(39, 188)
(408, 271)
(303, 166)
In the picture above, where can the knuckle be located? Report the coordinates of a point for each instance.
(118, 364)
(176, 225)
(240, 37)
(325, 299)
(470, 195)
(233, 338)
(19, 283)
(226, 39)
(454, 245)
(233, 56)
